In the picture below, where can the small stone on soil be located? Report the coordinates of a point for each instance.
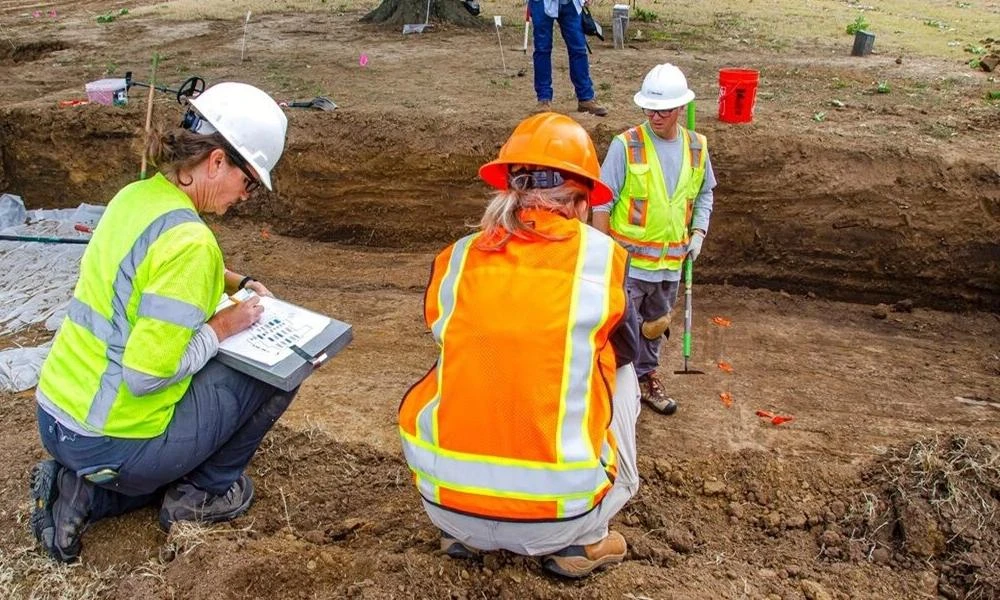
(714, 488)
(815, 591)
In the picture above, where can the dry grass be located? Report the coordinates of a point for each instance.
(958, 476)
(937, 500)
(941, 28)
(25, 574)
(899, 25)
(187, 10)
(185, 536)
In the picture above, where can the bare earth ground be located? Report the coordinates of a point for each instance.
(885, 485)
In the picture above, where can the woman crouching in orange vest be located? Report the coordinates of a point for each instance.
(522, 435)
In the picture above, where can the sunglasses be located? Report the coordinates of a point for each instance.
(663, 114)
(252, 183)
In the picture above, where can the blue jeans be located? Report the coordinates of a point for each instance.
(576, 44)
(216, 429)
(652, 300)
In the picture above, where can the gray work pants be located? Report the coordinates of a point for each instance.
(215, 431)
(652, 300)
(537, 539)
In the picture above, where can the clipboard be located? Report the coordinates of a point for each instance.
(290, 372)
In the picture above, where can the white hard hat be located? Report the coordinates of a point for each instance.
(663, 88)
(249, 119)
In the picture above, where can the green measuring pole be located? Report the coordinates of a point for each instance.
(688, 277)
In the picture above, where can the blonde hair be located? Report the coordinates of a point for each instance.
(502, 219)
(180, 149)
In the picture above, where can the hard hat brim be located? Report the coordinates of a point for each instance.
(494, 173)
(643, 101)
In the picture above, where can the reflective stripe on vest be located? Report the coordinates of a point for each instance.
(129, 320)
(646, 220)
(579, 476)
(115, 331)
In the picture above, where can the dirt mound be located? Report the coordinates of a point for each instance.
(936, 501)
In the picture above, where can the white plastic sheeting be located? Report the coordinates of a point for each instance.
(19, 367)
(36, 281)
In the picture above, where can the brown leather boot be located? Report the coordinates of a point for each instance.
(653, 394)
(543, 106)
(592, 107)
(579, 561)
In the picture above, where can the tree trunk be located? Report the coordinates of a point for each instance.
(402, 12)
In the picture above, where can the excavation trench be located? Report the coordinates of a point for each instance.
(878, 224)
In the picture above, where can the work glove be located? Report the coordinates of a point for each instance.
(694, 244)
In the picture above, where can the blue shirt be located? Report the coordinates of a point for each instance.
(552, 6)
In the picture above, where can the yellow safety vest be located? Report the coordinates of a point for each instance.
(650, 223)
(150, 277)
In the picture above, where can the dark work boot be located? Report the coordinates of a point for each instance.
(185, 502)
(61, 509)
(454, 548)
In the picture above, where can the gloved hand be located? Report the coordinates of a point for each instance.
(694, 244)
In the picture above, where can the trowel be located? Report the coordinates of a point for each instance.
(319, 103)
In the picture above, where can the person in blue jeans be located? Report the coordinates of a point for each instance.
(567, 13)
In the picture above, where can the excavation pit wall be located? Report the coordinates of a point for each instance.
(800, 214)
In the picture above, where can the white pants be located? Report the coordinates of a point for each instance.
(535, 539)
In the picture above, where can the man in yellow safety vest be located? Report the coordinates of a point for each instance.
(662, 181)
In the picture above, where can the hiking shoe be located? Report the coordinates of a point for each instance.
(61, 505)
(592, 107)
(653, 395)
(185, 502)
(543, 106)
(579, 561)
(454, 548)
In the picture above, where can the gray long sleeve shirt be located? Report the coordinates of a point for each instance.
(671, 155)
(204, 345)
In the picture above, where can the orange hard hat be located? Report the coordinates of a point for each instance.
(549, 140)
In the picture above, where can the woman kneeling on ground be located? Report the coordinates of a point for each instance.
(522, 435)
(130, 403)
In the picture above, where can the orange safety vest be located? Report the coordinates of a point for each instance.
(512, 421)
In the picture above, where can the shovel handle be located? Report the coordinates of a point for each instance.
(688, 268)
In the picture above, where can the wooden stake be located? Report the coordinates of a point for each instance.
(243, 50)
(496, 24)
(527, 24)
(149, 113)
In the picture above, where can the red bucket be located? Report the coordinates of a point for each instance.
(737, 95)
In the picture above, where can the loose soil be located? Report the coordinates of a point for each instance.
(853, 248)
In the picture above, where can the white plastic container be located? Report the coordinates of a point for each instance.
(107, 91)
(619, 24)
